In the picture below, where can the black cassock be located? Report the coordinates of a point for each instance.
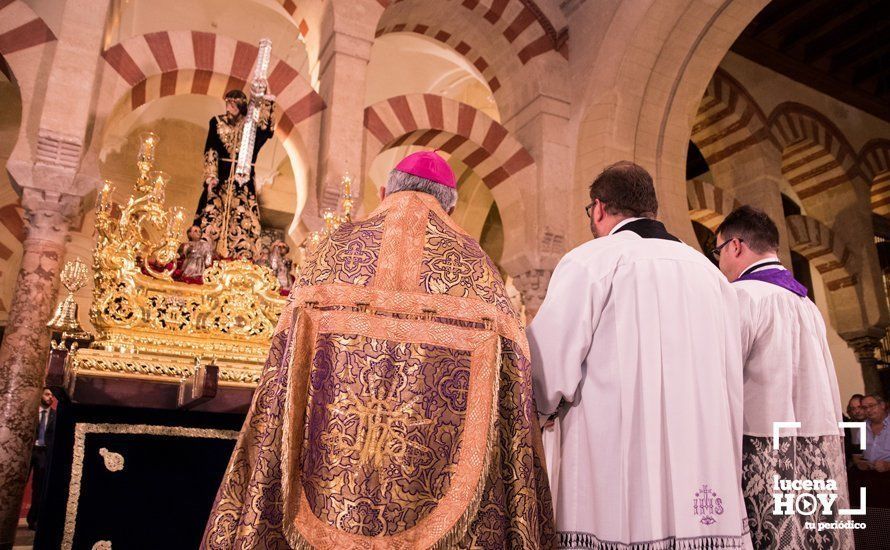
(242, 225)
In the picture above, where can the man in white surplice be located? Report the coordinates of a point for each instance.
(789, 377)
(637, 349)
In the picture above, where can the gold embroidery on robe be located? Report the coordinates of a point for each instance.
(395, 409)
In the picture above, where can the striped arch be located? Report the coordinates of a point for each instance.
(728, 120)
(295, 11)
(21, 28)
(823, 248)
(874, 164)
(24, 40)
(816, 156)
(181, 62)
(470, 136)
(521, 22)
(12, 219)
(456, 128)
(708, 204)
(452, 40)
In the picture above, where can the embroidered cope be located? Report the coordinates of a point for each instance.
(395, 409)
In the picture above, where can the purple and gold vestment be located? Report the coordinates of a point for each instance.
(395, 409)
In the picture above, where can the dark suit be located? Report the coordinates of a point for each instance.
(40, 458)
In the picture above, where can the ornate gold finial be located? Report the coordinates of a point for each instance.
(332, 220)
(145, 161)
(73, 277)
(346, 200)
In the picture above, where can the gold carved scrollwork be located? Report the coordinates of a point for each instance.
(137, 307)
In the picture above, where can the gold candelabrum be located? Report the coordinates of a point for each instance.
(332, 219)
(149, 325)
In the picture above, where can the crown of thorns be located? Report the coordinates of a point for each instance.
(237, 97)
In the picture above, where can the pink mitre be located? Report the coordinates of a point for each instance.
(428, 165)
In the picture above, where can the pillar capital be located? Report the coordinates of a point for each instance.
(50, 214)
(532, 284)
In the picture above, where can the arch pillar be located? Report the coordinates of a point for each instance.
(25, 345)
(754, 175)
(543, 127)
(347, 34)
(47, 174)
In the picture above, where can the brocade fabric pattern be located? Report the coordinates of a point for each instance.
(348, 256)
(242, 516)
(421, 390)
(454, 264)
(396, 408)
(803, 458)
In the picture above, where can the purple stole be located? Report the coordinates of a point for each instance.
(779, 277)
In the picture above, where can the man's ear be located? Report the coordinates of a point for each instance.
(599, 211)
(738, 248)
(382, 193)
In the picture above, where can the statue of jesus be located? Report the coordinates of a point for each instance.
(228, 208)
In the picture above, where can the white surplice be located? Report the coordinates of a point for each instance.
(640, 339)
(789, 377)
(789, 373)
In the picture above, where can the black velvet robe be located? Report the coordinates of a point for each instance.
(241, 228)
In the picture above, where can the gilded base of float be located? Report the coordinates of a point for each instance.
(102, 363)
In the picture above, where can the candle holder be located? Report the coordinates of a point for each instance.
(145, 160)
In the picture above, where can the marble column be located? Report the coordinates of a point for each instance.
(26, 344)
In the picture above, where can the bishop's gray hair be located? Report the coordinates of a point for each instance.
(403, 181)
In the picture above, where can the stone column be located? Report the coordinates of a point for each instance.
(754, 176)
(532, 285)
(864, 347)
(347, 36)
(26, 344)
(541, 124)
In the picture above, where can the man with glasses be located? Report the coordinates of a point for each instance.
(636, 350)
(789, 377)
(877, 435)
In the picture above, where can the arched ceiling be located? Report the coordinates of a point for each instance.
(245, 20)
(407, 63)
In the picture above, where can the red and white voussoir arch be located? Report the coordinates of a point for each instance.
(168, 63)
(456, 128)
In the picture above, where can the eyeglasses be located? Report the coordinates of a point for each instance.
(715, 252)
(589, 208)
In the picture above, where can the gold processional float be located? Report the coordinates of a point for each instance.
(152, 328)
